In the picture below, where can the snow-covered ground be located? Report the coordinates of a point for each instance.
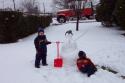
(105, 46)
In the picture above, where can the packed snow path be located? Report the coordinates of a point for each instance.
(105, 46)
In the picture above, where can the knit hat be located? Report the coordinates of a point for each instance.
(40, 30)
(82, 54)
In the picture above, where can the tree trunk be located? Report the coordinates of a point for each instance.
(77, 24)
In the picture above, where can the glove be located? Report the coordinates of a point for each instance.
(49, 42)
(41, 42)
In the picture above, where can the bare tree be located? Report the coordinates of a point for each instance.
(78, 9)
(31, 6)
(14, 5)
(3, 4)
(63, 4)
(76, 5)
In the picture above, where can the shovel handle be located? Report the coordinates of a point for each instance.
(57, 43)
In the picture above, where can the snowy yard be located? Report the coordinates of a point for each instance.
(105, 46)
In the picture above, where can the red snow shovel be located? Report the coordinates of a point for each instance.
(58, 62)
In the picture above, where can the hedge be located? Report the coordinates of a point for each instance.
(15, 25)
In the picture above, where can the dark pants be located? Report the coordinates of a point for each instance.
(88, 70)
(40, 57)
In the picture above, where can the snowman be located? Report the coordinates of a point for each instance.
(69, 48)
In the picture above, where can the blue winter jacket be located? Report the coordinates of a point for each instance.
(41, 44)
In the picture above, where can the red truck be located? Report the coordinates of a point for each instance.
(66, 14)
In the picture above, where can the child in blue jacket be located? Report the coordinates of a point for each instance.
(41, 43)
